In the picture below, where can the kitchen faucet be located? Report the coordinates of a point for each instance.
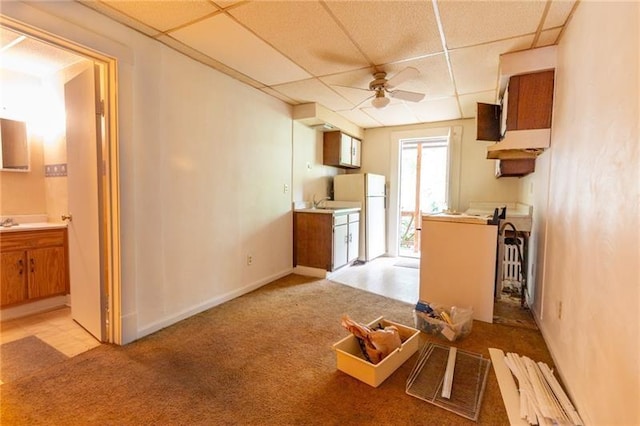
(316, 204)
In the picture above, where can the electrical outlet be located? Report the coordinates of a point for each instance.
(249, 260)
(285, 189)
(560, 310)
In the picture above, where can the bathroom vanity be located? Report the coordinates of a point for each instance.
(34, 263)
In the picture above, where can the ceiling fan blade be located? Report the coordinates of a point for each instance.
(406, 95)
(404, 75)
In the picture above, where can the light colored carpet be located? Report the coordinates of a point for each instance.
(264, 358)
(26, 356)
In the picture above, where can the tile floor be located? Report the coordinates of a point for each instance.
(56, 328)
(399, 278)
(394, 277)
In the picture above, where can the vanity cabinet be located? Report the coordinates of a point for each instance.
(341, 150)
(34, 265)
(325, 240)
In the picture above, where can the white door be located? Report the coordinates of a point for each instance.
(83, 140)
(375, 228)
(353, 247)
(340, 244)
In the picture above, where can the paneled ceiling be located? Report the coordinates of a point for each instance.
(326, 51)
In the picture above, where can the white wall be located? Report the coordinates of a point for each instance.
(203, 163)
(586, 272)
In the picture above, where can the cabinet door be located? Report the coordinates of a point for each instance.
(354, 240)
(340, 246)
(530, 101)
(356, 146)
(345, 149)
(13, 279)
(47, 272)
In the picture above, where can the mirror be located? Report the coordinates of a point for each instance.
(14, 155)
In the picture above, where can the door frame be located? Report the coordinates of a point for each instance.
(454, 135)
(109, 203)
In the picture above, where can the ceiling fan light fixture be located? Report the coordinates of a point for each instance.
(380, 101)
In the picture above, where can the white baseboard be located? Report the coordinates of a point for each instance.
(159, 325)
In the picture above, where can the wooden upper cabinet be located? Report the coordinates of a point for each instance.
(341, 150)
(530, 101)
(488, 122)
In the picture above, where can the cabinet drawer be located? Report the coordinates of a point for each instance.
(29, 239)
(340, 220)
(354, 217)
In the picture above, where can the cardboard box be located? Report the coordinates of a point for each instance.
(350, 360)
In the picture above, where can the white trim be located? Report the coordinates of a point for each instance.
(507, 385)
(454, 136)
(173, 319)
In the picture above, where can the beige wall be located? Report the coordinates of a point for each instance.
(586, 272)
(310, 176)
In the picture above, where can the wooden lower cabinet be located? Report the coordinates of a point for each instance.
(34, 265)
(325, 241)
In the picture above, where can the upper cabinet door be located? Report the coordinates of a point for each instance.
(341, 150)
(530, 101)
(345, 149)
(356, 146)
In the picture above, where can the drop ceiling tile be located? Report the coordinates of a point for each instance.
(467, 23)
(388, 31)
(359, 118)
(475, 69)
(304, 32)
(558, 13)
(434, 79)
(276, 94)
(352, 85)
(392, 115)
(468, 102)
(436, 110)
(226, 41)
(202, 58)
(163, 15)
(548, 37)
(313, 90)
(121, 17)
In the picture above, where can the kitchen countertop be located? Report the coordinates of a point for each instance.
(32, 226)
(457, 217)
(330, 210)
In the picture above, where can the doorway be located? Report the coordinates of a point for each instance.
(99, 313)
(423, 187)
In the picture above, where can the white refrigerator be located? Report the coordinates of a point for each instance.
(369, 190)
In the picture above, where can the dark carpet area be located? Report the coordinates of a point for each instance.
(262, 359)
(25, 356)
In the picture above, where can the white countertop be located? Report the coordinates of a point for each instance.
(457, 217)
(332, 210)
(32, 226)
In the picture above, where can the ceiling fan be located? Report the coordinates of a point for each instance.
(381, 86)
